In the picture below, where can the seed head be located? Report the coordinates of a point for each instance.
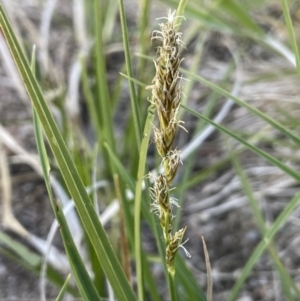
(172, 247)
(166, 95)
(166, 89)
(172, 161)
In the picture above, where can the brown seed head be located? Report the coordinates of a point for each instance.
(174, 244)
(172, 161)
(166, 89)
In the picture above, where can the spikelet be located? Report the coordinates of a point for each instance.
(166, 89)
(166, 95)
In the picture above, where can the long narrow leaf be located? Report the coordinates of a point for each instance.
(241, 16)
(279, 222)
(89, 217)
(133, 99)
(290, 28)
(288, 170)
(30, 260)
(103, 104)
(125, 176)
(187, 280)
(63, 289)
(138, 195)
(242, 103)
(84, 282)
(287, 282)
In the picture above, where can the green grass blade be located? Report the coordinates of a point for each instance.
(200, 15)
(83, 281)
(279, 222)
(109, 22)
(205, 17)
(188, 282)
(180, 12)
(222, 163)
(239, 13)
(31, 261)
(87, 214)
(103, 104)
(288, 170)
(124, 175)
(194, 69)
(22, 251)
(143, 43)
(291, 31)
(189, 162)
(133, 99)
(287, 282)
(89, 98)
(242, 103)
(138, 198)
(126, 178)
(62, 292)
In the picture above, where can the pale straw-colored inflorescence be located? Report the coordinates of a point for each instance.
(166, 95)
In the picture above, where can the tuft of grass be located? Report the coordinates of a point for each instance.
(125, 154)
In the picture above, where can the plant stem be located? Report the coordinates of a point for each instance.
(172, 286)
(137, 206)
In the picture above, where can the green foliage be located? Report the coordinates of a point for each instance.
(124, 156)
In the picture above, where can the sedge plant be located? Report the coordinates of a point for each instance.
(166, 96)
(166, 93)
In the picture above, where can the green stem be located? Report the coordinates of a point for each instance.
(137, 206)
(171, 281)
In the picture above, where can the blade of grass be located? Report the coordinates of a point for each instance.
(288, 170)
(143, 41)
(103, 105)
(286, 281)
(137, 199)
(120, 168)
(126, 178)
(194, 69)
(222, 163)
(211, 16)
(180, 12)
(133, 99)
(191, 158)
(31, 261)
(89, 98)
(83, 281)
(188, 282)
(45, 163)
(76, 188)
(238, 12)
(279, 222)
(200, 14)
(62, 292)
(242, 103)
(209, 294)
(109, 22)
(290, 28)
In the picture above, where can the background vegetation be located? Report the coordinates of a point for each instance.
(86, 79)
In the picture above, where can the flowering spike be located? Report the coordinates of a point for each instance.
(166, 95)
